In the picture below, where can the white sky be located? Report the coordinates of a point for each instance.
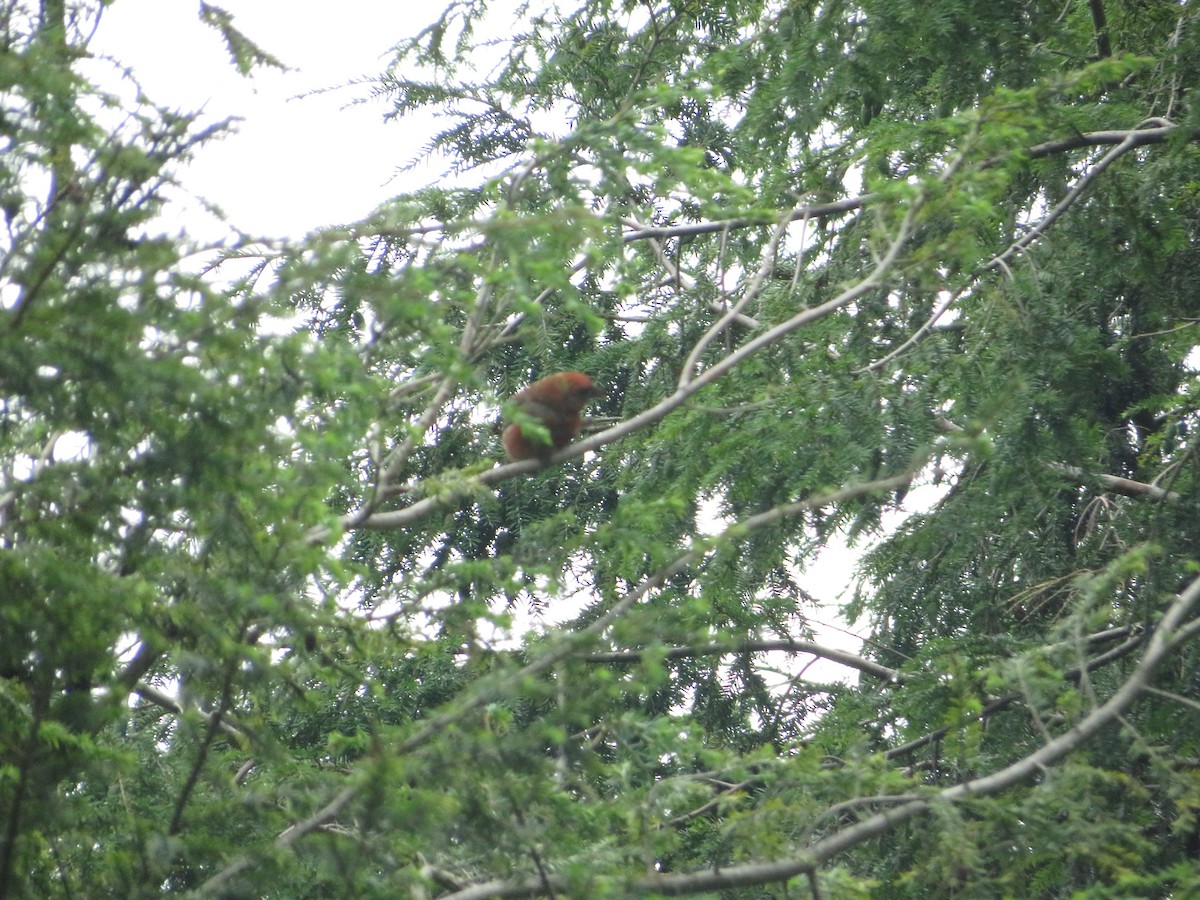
(296, 163)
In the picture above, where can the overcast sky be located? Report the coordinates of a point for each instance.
(296, 162)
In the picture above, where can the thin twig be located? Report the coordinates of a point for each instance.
(560, 648)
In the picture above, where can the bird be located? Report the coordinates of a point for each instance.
(555, 402)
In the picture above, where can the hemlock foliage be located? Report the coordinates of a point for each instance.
(277, 622)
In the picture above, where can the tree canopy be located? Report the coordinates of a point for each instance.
(278, 620)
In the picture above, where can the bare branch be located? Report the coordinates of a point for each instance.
(1130, 140)
(1100, 23)
(1162, 641)
(454, 493)
(1157, 133)
(1001, 703)
(682, 279)
(169, 703)
(784, 645)
(816, 211)
(369, 517)
(1118, 485)
(562, 647)
(731, 315)
(1115, 483)
(1140, 137)
(1077, 189)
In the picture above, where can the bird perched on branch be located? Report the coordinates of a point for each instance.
(555, 402)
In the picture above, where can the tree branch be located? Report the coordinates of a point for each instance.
(1118, 485)
(1162, 641)
(449, 495)
(784, 645)
(453, 493)
(1100, 22)
(1001, 703)
(565, 645)
(1115, 483)
(169, 703)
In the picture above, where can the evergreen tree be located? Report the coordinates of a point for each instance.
(280, 621)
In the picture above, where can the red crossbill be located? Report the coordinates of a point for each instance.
(555, 402)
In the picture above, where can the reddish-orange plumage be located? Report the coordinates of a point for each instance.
(556, 402)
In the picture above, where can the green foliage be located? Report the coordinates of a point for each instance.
(244, 53)
(918, 277)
